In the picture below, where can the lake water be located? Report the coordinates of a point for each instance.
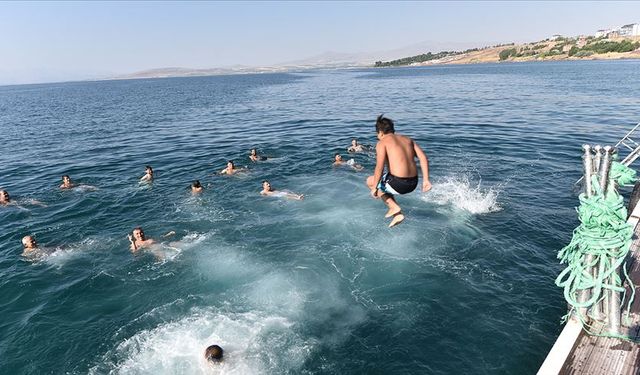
(464, 285)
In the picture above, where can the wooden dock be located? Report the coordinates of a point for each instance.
(577, 352)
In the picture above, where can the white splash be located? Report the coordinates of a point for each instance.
(461, 193)
(253, 343)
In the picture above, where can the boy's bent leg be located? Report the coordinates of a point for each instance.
(388, 199)
(370, 182)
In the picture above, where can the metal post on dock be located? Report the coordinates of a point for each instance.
(587, 160)
(614, 296)
(598, 308)
(605, 166)
(597, 158)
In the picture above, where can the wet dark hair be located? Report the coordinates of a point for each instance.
(66, 176)
(232, 163)
(149, 168)
(267, 181)
(384, 125)
(196, 184)
(213, 353)
(253, 149)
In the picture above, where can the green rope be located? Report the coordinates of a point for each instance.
(622, 174)
(602, 240)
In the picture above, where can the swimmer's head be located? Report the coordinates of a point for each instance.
(384, 125)
(29, 242)
(230, 164)
(66, 179)
(149, 170)
(354, 142)
(196, 187)
(254, 152)
(138, 234)
(213, 353)
(266, 185)
(338, 157)
(4, 196)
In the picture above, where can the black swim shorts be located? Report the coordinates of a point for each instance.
(390, 184)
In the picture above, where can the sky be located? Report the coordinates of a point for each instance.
(58, 41)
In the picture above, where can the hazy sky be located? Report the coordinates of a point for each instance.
(72, 40)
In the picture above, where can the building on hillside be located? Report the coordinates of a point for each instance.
(632, 29)
(614, 33)
(602, 32)
(581, 42)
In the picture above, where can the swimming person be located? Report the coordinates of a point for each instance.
(196, 187)
(352, 163)
(31, 250)
(356, 147)
(30, 246)
(66, 182)
(398, 153)
(5, 199)
(138, 240)
(231, 169)
(267, 190)
(148, 174)
(253, 155)
(213, 353)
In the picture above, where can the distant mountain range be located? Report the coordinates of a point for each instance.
(325, 60)
(433, 53)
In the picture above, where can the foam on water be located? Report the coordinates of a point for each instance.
(254, 343)
(463, 194)
(169, 251)
(59, 256)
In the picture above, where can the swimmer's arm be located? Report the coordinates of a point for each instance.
(381, 157)
(133, 243)
(169, 234)
(424, 165)
(37, 203)
(224, 171)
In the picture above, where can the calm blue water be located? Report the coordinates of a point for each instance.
(465, 285)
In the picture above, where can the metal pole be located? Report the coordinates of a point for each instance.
(598, 306)
(598, 157)
(587, 160)
(604, 169)
(614, 296)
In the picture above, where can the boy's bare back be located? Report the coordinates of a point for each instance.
(400, 154)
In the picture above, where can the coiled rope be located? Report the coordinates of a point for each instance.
(604, 234)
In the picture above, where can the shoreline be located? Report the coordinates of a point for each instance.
(635, 56)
